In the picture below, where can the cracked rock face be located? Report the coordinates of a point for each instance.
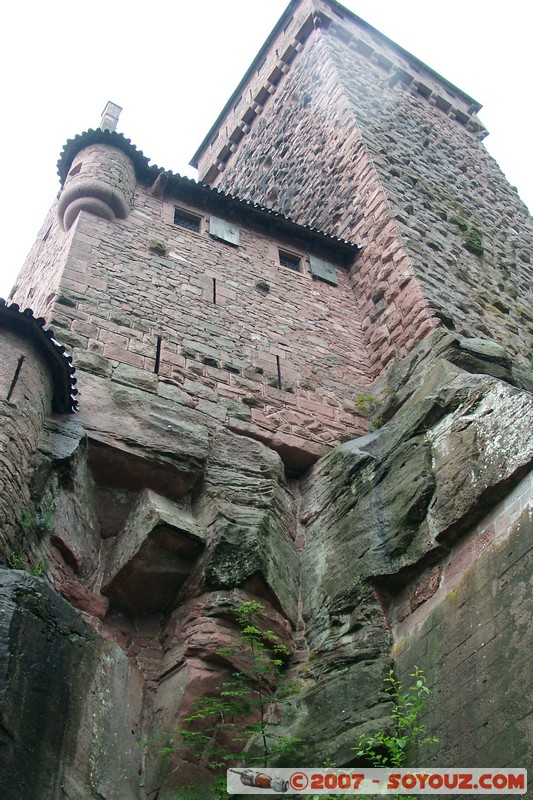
(65, 695)
(153, 573)
(381, 510)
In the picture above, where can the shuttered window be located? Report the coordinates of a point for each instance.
(224, 231)
(323, 270)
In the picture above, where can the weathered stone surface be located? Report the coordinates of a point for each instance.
(138, 378)
(474, 640)
(91, 362)
(70, 497)
(155, 553)
(379, 534)
(21, 420)
(479, 452)
(81, 598)
(343, 706)
(378, 510)
(130, 424)
(61, 437)
(194, 667)
(70, 702)
(245, 505)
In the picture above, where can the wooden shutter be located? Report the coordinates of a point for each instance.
(323, 270)
(223, 230)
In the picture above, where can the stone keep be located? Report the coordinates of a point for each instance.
(305, 381)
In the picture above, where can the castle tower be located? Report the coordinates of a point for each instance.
(301, 386)
(339, 127)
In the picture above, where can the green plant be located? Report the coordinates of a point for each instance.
(474, 242)
(16, 561)
(39, 569)
(376, 424)
(385, 749)
(34, 521)
(366, 403)
(391, 748)
(233, 726)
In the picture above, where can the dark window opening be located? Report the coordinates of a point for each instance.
(186, 220)
(15, 378)
(214, 291)
(290, 261)
(157, 356)
(278, 362)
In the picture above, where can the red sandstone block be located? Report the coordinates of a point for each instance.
(88, 329)
(318, 408)
(124, 356)
(425, 328)
(388, 255)
(169, 357)
(77, 286)
(259, 418)
(219, 375)
(385, 272)
(142, 348)
(109, 337)
(379, 336)
(388, 355)
(392, 319)
(232, 392)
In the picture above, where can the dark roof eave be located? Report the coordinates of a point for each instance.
(25, 324)
(203, 194)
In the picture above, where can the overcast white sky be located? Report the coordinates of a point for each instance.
(172, 66)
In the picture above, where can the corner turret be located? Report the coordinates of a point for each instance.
(100, 180)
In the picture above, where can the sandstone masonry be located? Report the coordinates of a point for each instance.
(302, 382)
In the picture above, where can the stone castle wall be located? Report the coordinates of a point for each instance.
(467, 621)
(266, 350)
(366, 143)
(212, 380)
(25, 402)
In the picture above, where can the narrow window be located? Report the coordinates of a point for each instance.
(214, 291)
(15, 378)
(290, 261)
(186, 220)
(157, 355)
(288, 25)
(278, 362)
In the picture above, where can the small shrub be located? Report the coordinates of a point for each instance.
(239, 711)
(390, 749)
(366, 404)
(376, 424)
(39, 569)
(37, 522)
(16, 561)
